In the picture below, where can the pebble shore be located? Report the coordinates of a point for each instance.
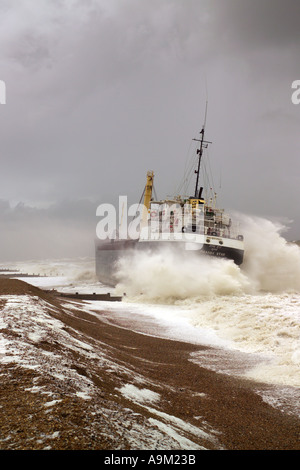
(106, 387)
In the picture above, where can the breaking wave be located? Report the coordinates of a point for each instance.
(255, 308)
(271, 264)
(167, 277)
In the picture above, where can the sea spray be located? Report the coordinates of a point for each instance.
(255, 307)
(271, 264)
(167, 276)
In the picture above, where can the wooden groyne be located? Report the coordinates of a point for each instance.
(94, 296)
(11, 275)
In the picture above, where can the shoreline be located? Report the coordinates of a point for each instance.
(97, 386)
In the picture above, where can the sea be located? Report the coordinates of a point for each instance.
(247, 316)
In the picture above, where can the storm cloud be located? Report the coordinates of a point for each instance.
(98, 92)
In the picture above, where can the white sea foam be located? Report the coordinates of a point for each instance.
(255, 308)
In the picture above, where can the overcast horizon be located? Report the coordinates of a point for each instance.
(98, 92)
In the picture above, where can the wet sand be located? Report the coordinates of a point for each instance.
(180, 406)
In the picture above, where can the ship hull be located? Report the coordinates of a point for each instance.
(109, 253)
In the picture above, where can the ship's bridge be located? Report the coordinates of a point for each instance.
(187, 215)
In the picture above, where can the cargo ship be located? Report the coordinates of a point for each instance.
(190, 224)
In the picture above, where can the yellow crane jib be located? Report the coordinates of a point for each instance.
(148, 195)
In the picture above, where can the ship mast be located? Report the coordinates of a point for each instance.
(203, 144)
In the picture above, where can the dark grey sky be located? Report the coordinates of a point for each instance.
(100, 91)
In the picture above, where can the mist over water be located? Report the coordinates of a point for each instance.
(64, 274)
